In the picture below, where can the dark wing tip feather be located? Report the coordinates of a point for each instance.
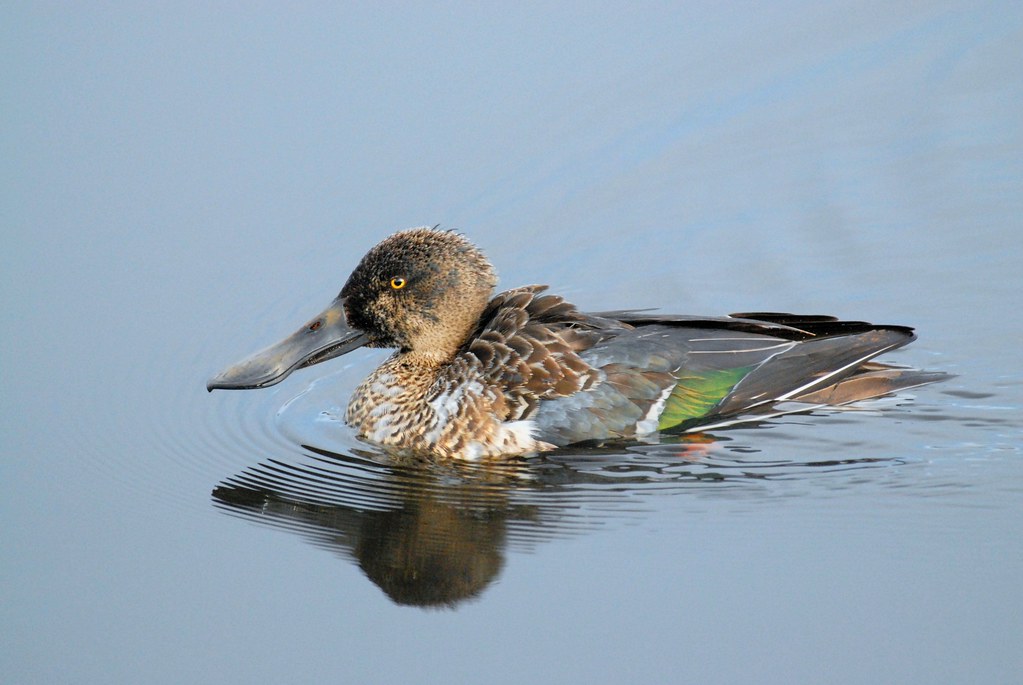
(821, 325)
(777, 324)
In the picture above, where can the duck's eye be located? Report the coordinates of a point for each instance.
(398, 282)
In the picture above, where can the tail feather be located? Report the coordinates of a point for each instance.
(875, 380)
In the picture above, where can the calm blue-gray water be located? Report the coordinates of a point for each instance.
(186, 183)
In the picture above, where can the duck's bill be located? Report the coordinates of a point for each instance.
(325, 337)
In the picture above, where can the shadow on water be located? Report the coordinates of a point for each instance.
(435, 534)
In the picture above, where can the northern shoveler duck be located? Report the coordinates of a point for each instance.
(476, 376)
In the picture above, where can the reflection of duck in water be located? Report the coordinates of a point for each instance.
(434, 533)
(523, 372)
(430, 553)
(426, 538)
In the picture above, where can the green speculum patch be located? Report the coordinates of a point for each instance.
(696, 394)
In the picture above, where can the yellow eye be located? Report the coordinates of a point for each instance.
(398, 282)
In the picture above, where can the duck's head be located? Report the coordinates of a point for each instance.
(421, 291)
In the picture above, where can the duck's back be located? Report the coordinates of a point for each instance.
(622, 375)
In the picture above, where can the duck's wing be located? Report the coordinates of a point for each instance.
(679, 373)
(619, 375)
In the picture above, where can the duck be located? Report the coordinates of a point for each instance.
(476, 375)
